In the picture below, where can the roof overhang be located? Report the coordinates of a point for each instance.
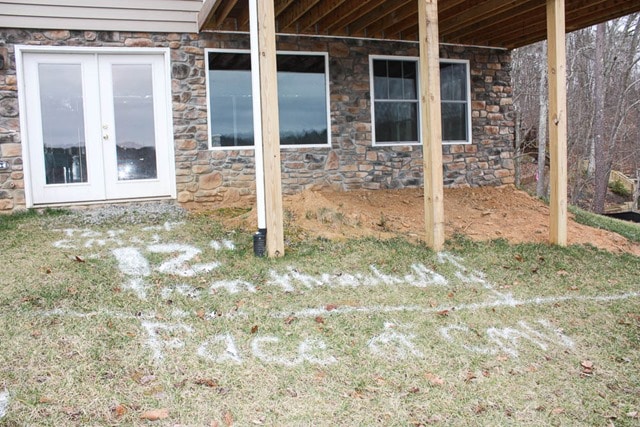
(497, 23)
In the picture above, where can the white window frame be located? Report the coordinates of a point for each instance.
(415, 59)
(468, 101)
(280, 52)
(373, 58)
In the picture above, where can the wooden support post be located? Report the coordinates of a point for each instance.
(270, 128)
(557, 59)
(431, 129)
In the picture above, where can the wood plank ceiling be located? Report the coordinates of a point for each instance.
(498, 23)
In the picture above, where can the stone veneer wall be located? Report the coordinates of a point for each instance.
(222, 177)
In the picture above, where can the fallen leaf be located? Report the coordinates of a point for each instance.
(573, 288)
(206, 382)
(45, 399)
(443, 313)
(587, 364)
(319, 319)
(479, 409)
(155, 414)
(48, 270)
(562, 273)
(414, 390)
(254, 329)
(519, 258)
(587, 367)
(331, 307)
(289, 320)
(557, 411)
(434, 379)
(119, 411)
(200, 314)
(228, 419)
(470, 377)
(78, 258)
(450, 295)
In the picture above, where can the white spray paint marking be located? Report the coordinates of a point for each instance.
(293, 279)
(182, 289)
(178, 265)
(133, 264)
(4, 403)
(233, 286)
(424, 277)
(167, 226)
(222, 244)
(507, 339)
(156, 341)
(392, 344)
(229, 354)
(313, 312)
(307, 351)
(474, 276)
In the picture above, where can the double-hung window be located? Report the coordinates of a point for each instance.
(455, 105)
(302, 99)
(395, 106)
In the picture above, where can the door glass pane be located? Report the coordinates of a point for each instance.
(134, 121)
(62, 108)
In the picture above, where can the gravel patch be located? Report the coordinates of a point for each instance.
(129, 213)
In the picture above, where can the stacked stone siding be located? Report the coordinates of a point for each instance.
(213, 177)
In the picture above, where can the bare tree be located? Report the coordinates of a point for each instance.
(603, 86)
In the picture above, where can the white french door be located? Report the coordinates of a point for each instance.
(97, 126)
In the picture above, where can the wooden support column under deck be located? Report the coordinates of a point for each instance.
(270, 128)
(557, 58)
(431, 129)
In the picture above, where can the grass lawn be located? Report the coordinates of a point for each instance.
(178, 322)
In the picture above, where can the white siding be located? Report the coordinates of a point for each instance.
(109, 15)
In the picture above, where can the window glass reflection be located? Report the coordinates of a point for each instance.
(134, 121)
(63, 133)
(301, 99)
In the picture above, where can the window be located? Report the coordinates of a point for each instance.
(395, 107)
(302, 99)
(455, 105)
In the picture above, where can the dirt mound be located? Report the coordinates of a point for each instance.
(480, 213)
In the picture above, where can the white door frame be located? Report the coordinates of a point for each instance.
(166, 107)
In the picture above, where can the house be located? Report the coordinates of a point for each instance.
(149, 99)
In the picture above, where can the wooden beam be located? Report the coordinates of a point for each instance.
(290, 17)
(270, 128)
(375, 21)
(224, 13)
(318, 12)
(344, 14)
(208, 9)
(557, 120)
(431, 129)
